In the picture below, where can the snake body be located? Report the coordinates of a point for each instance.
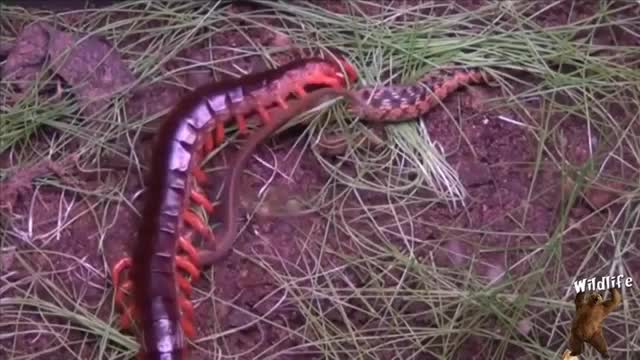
(396, 103)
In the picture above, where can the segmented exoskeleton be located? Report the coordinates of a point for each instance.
(192, 128)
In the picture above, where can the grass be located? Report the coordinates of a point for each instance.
(378, 292)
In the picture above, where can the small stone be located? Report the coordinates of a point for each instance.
(473, 173)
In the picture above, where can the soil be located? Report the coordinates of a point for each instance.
(249, 314)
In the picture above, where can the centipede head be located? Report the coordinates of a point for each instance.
(320, 73)
(338, 59)
(349, 69)
(344, 67)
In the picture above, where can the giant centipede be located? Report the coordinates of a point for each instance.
(192, 129)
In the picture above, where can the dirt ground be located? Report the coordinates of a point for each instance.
(492, 158)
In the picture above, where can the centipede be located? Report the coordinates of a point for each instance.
(194, 127)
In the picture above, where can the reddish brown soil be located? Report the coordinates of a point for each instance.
(494, 161)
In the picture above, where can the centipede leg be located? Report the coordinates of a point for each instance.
(326, 80)
(185, 245)
(209, 144)
(264, 115)
(242, 124)
(198, 173)
(187, 317)
(219, 137)
(127, 318)
(283, 104)
(202, 200)
(187, 266)
(121, 287)
(194, 221)
(300, 91)
(188, 328)
(184, 285)
(118, 268)
(121, 291)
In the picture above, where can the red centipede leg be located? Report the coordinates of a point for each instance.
(187, 317)
(328, 80)
(334, 84)
(242, 124)
(219, 133)
(188, 328)
(264, 115)
(198, 174)
(202, 200)
(184, 285)
(209, 144)
(283, 104)
(126, 320)
(300, 91)
(194, 221)
(184, 264)
(185, 245)
(122, 290)
(118, 268)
